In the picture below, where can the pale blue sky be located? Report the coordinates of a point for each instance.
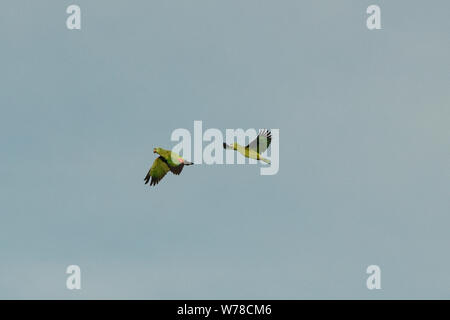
(364, 149)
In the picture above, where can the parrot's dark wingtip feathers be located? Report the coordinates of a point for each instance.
(266, 132)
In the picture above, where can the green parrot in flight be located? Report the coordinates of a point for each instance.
(167, 161)
(255, 148)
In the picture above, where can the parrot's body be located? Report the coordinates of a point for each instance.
(254, 149)
(167, 161)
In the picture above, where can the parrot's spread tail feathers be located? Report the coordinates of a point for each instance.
(265, 160)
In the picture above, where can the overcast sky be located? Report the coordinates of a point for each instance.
(364, 120)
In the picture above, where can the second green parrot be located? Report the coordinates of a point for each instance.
(255, 148)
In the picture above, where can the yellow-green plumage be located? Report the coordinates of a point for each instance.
(167, 161)
(254, 149)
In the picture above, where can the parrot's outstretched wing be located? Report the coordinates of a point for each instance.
(262, 141)
(157, 171)
(177, 170)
